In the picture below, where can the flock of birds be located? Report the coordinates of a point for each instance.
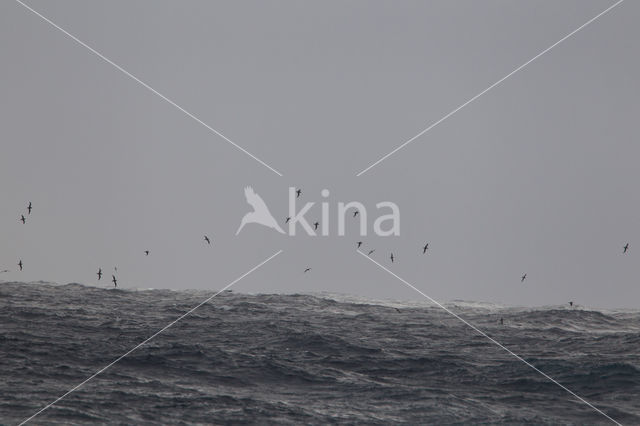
(114, 279)
(316, 224)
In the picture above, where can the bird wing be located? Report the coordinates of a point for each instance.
(254, 200)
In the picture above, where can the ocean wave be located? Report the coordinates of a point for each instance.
(307, 358)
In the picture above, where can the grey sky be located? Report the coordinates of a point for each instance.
(539, 175)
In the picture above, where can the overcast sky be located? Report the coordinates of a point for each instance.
(539, 176)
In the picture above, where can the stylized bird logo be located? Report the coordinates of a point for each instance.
(260, 213)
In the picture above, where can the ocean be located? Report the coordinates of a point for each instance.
(307, 359)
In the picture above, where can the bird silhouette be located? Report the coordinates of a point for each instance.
(114, 281)
(501, 321)
(20, 264)
(298, 193)
(356, 213)
(260, 213)
(99, 274)
(626, 247)
(391, 257)
(207, 240)
(359, 244)
(22, 219)
(524, 277)
(571, 304)
(146, 252)
(425, 248)
(29, 207)
(288, 219)
(371, 252)
(315, 225)
(306, 270)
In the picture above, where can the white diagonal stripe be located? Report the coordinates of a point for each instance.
(490, 87)
(490, 338)
(133, 77)
(190, 311)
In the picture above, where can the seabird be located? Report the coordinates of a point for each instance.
(114, 281)
(397, 309)
(146, 252)
(355, 213)
(626, 247)
(523, 278)
(22, 219)
(571, 304)
(298, 193)
(99, 274)
(371, 252)
(315, 225)
(29, 207)
(501, 321)
(391, 257)
(207, 239)
(359, 244)
(288, 219)
(425, 248)
(306, 270)
(20, 264)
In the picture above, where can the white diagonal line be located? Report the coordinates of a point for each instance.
(128, 74)
(490, 87)
(190, 311)
(490, 338)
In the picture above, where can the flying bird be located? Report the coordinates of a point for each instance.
(306, 270)
(371, 252)
(22, 219)
(288, 219)
(298, 193)
(571, 304)
(315, 225)
(20, 264)
(524, 277)
(356, 213)
(29, 207)
(260, 213)
(425, 248)
(146, 252)
(207, 240)
(99, 274)
(626, 247)
(4, 270)
(391, 257)
(359, 244)
(114, 281)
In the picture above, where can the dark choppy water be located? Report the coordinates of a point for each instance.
(291, 359)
